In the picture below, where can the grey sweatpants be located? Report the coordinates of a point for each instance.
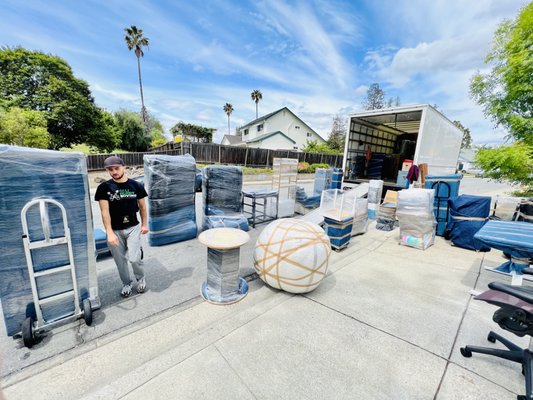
(128, 250)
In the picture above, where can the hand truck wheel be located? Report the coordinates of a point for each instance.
(28, 334)
(87, 312)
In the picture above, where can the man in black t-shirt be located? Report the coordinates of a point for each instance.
(120, 199)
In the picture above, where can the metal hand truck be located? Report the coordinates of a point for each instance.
(31, 328)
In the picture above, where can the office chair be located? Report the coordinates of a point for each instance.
(514, 315)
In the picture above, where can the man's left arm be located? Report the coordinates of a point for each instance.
(144, 217)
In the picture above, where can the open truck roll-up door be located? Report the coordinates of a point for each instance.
(378, 142)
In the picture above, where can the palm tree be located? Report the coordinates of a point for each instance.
(256, 96)
(228, 109)
(135, 40)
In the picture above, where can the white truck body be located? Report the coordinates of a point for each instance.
(383, 132)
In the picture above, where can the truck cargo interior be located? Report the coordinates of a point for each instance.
(383, 144)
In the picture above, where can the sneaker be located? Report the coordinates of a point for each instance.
(141, 285)
(126, 290)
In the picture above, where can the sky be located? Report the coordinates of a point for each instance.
(316, 57)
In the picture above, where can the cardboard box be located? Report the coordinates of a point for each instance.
(406, 165)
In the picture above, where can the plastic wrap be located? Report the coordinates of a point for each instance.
(375, 190)
(525, 211)
(339, 232)
(284, 175)
(170, 184)
(415, 215)
(222, 198)
(323, 177)
(468, 214)
(305, 200)
(360, 219)
(336, 179)
(29, 174)
(337, 205)
(505, 208)
(386, 219)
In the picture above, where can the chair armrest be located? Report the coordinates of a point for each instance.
(528, 271)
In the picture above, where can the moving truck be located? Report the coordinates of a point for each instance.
(381, 143)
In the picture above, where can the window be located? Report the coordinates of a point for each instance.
(295, 147)
(245, 132)
(296, 127)
(259, 128)
(308, 134)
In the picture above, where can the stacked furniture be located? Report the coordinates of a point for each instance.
(445, 186)
(222, 198)
(170, 184)
(28, 175)
(374, 169)
(375, 190)
(323, 181)
(468, 214)
(415, 214)
(336, 179)
(338, 212)
(386, 220)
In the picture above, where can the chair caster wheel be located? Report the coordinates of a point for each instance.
(491, 338)
(465, 352)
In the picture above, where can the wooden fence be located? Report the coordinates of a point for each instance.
(210, 153)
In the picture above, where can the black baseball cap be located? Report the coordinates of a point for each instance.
(113, 161)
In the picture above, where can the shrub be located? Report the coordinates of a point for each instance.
(303, 167)
(318, 165)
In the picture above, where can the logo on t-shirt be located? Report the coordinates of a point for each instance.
(121, 194)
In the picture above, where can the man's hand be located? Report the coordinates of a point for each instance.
(112, 239)
(144, 229)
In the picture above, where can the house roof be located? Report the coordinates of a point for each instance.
(260, 138)
(232, 139)
(265, 117)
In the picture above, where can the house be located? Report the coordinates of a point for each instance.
(280, 130)
(466, 160)
(231, 140)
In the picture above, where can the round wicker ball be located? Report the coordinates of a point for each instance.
(292, 255)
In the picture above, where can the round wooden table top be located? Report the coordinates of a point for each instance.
(223, 238)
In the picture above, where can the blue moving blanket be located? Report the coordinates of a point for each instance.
(468, 214)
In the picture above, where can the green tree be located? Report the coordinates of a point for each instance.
(506, 92)
(256, 96)
(193, 132)
(338, 134)
(106, 136)
(132, 131)
(24, 128)
(135, 40)
(513, 163)
(506, 95)
(467, 139)
(37, 81)
(375, 98)
(228, 109)
(312, 146)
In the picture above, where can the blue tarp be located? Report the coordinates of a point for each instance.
(170, 183)
(468, 214)
(512, 237)
(28, 174)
